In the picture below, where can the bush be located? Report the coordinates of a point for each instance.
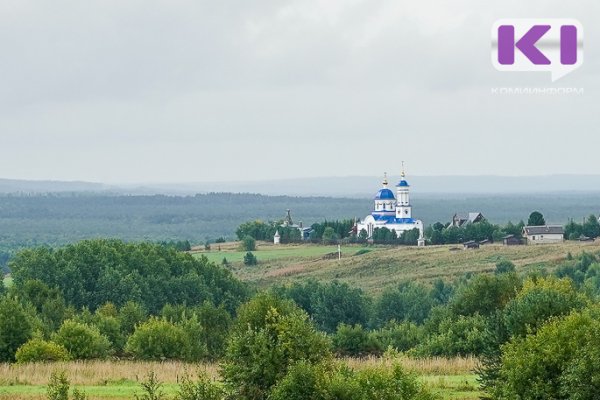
(202, 389)
(36, 350)
(157, 339)
(82, 341)
(539, 300)
(355, 341)
(15, 328)
(407, 302)
(324, 382)
(58, 388)
(248, 243)
(504, 266)
(458, 336)
(303, 381)
(130, 315)
(111, 328)
(270, 335)
(401, 336)
(485, 294)
(152, 388)
(216, 322)
(329, 304)
(250, 259)
(559, 362)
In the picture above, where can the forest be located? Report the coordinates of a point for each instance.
(101, 299)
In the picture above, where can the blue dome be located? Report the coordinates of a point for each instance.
(403, 183)
(385, 194)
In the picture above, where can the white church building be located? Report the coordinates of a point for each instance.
(392, 212)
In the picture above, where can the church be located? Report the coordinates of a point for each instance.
(392, 212)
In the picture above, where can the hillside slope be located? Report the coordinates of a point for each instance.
(384, 267)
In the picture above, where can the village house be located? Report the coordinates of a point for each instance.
(544, 234)
(470, 218)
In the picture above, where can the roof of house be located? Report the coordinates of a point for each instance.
(468, 218)
(544, 229)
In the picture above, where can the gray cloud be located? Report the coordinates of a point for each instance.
(124, 91)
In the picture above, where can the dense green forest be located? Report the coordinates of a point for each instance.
(106, 298)
(58, 219)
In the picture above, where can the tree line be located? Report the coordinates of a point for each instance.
(270, 342)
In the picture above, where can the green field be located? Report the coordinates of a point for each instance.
(104, 380)
(271, 253)
(7, 281)
(447, 386)
(385, 266)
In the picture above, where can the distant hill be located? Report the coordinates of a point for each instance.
(24, 186)
(360, 186)
(58, 218)
(351, 186)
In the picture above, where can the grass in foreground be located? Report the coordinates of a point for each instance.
(103, 380)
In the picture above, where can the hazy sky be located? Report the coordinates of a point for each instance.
(170, 91)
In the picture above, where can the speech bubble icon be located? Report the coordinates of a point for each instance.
(552, 45)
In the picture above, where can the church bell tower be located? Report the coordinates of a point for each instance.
(403, 207)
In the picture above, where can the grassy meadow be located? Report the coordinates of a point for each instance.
(385, 266)
(104, 380)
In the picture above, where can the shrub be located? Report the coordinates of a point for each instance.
(216, 323)
(325, 382)
(152, 388)
(111, 328)
(157, 339)
(485, 294)
(458, 336)
(270, 335)
(384, 383)
(303, 381)
(539, 300)
(248, 243)
(406, 302)
(202, 389)
(58, 388)
(355, 341)
(560, 361)
(37, 349)
(250, 259)
(82, 341)
(130, 315)
(15, 328)
(504, 266)
(194, 333)
(401, 336)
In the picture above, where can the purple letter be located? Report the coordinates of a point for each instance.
(506, 44)
(527, 44)
(568, 45)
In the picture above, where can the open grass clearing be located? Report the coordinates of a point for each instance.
(103, 380)
(388, 266)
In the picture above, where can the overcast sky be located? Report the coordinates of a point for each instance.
(173, 91)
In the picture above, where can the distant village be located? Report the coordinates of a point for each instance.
(392, 218)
